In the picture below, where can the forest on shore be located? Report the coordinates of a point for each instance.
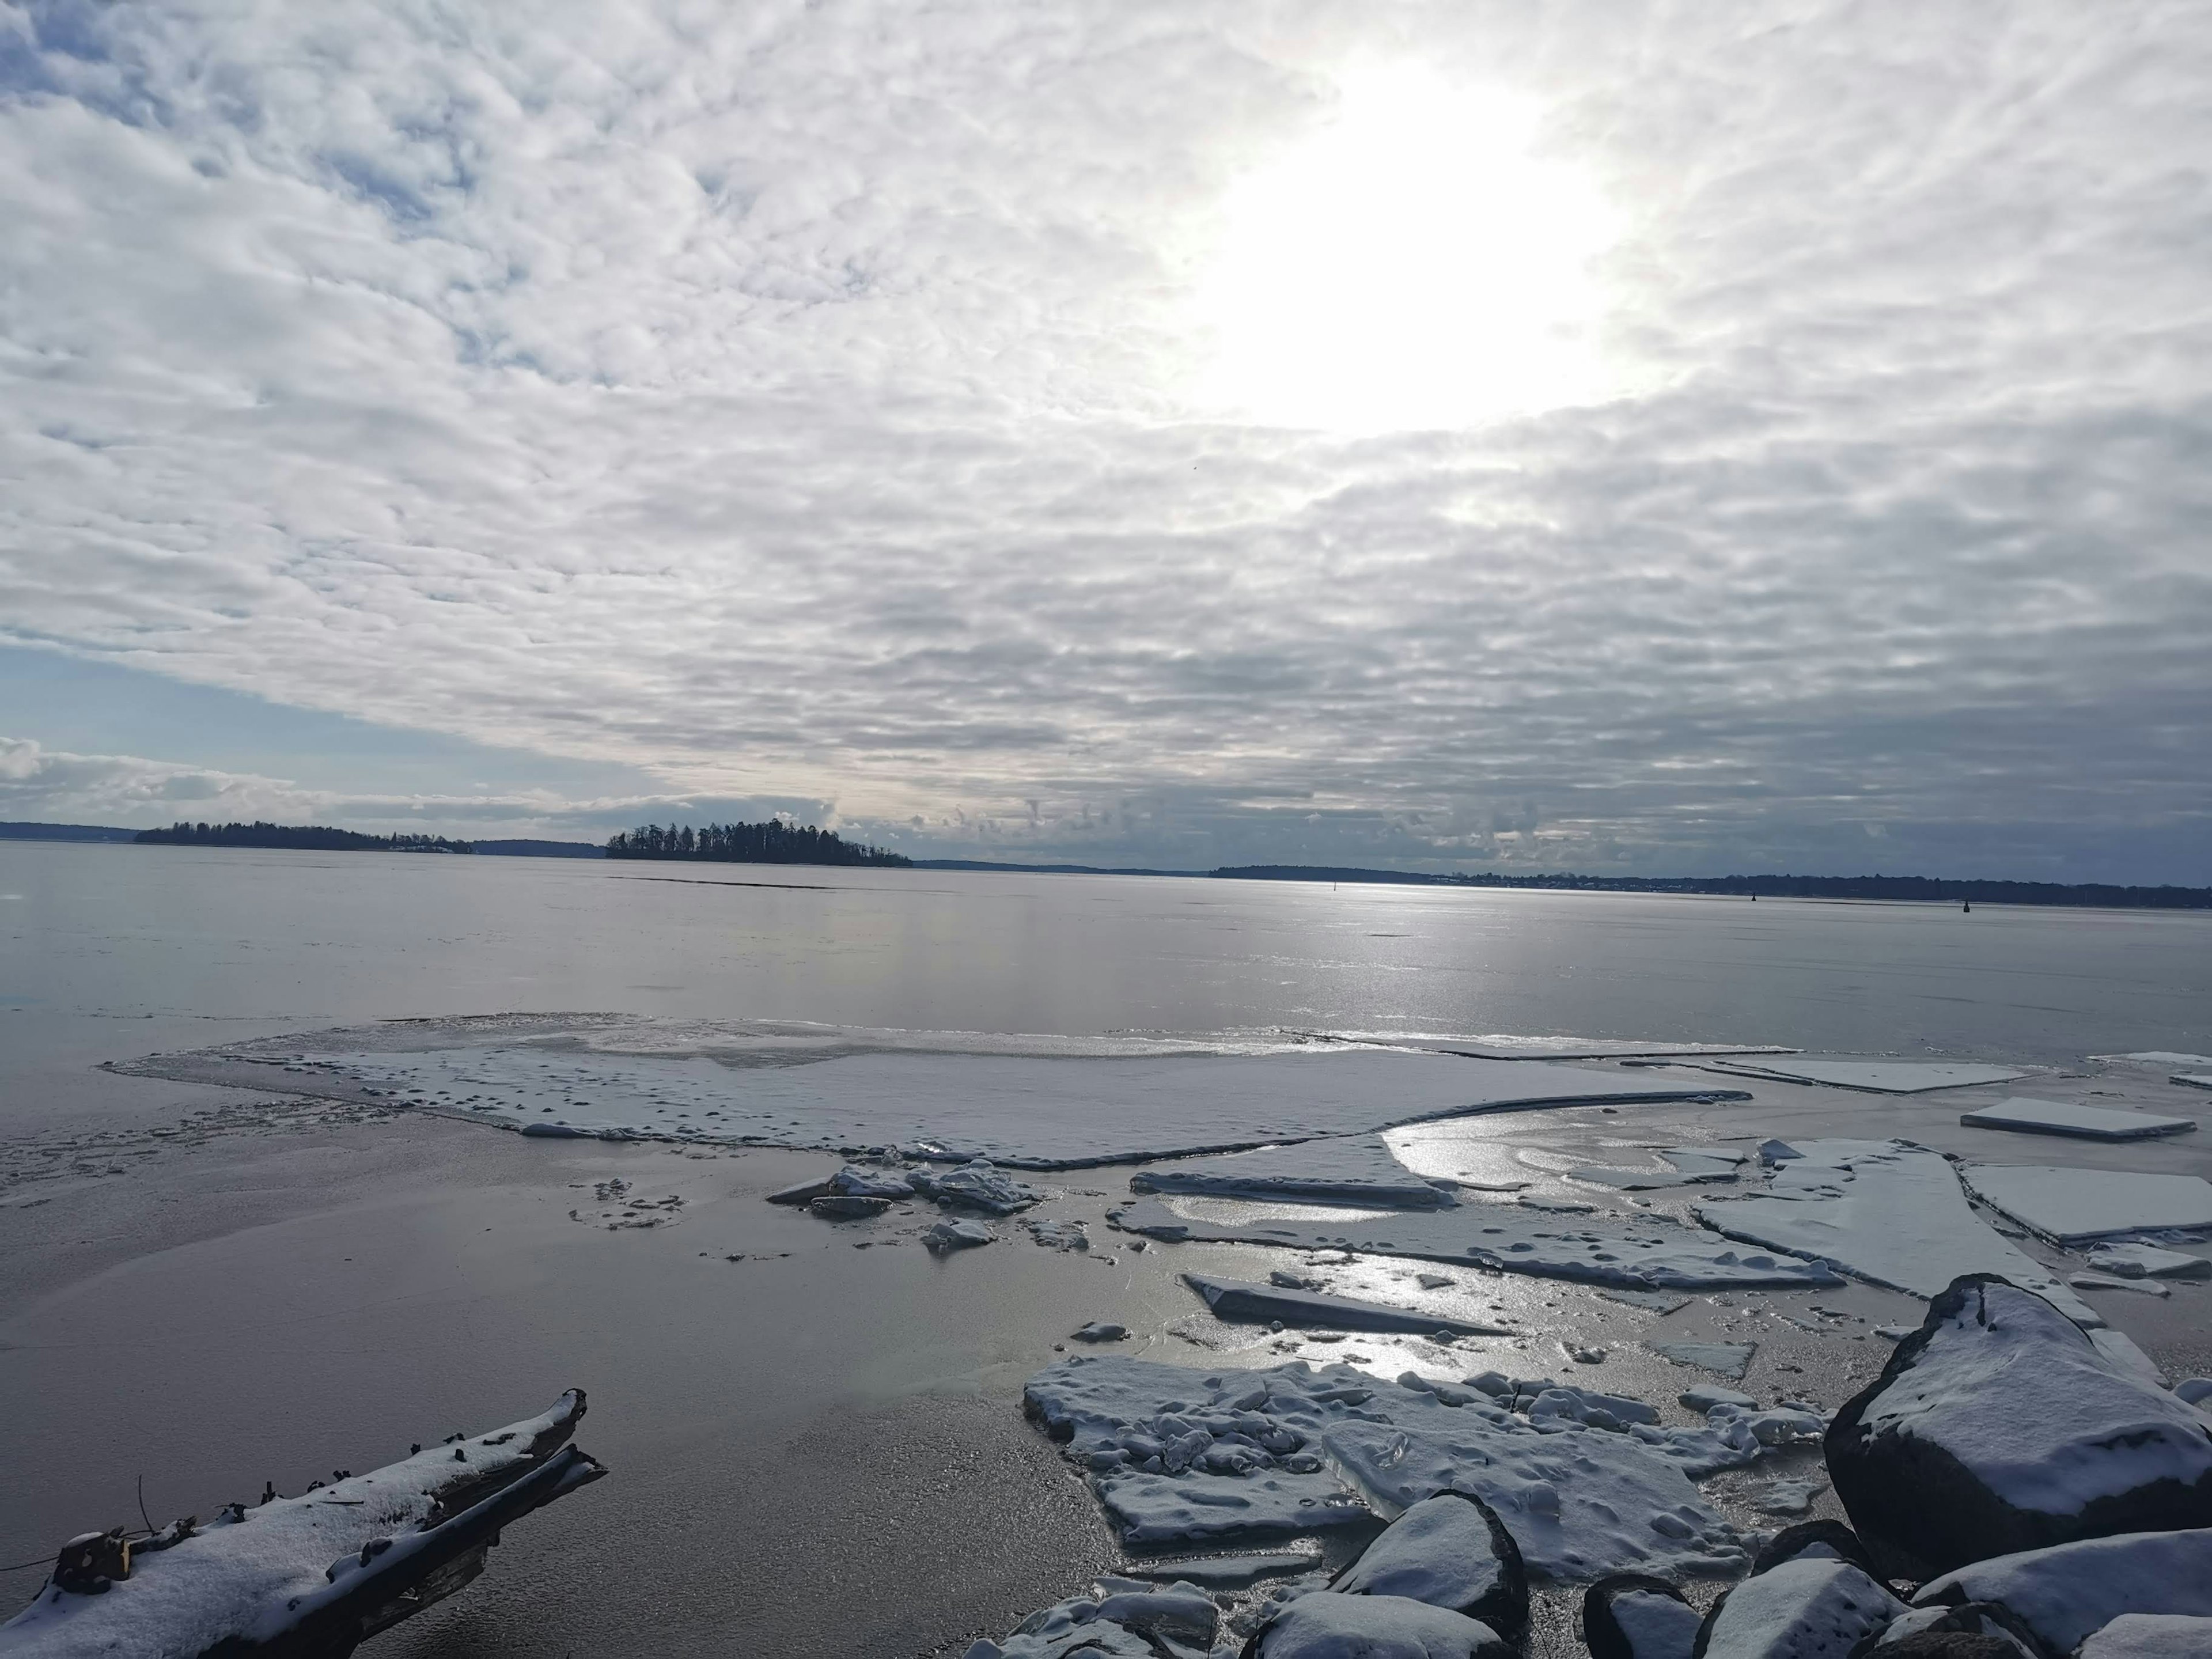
(310, 837)
(772, 842)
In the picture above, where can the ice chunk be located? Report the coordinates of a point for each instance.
(1885, 1211)
(1342, 1169)
(1124, 1620)
(1231, 1298)
(2066, 1593)
(2070, 1205)
(862, 1183)
(1788, 1496)
(2098, 1282)
(2147, 1260)
(978, 1183)
(1632, 1615)
(1147, 1510)
(2194, 1389)
(846, 1206)
(2160, 1057)
(957, 1235)
(1881, 1077)
(2000, 1427)
(1803, 1609)
(1449, 1551)
(1730, 1360)
(1638, 1252)
(1660, 1302)
(2054, 1117)
(2150, 1636)
(1706, 1395)
(1326, 1625)
(1101, 1330)
(2192, 1079)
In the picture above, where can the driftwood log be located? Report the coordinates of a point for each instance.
(304, 1577)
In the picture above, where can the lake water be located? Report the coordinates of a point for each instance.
(815, 1450)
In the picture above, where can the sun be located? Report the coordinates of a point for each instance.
(1415, 264)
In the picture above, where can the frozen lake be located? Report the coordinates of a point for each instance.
(286, 1286)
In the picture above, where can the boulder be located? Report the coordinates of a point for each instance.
(1632, 1615)
(2063, 1594)
(2150, 1636)
(1976, 1630)
(1329, 1625)
(1815, 1540)
(1999, 1426)
(1449, 1551)
(1809, 1608)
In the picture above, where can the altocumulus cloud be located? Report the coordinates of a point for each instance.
(795, 400)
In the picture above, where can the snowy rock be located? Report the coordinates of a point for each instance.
(1632, 1615)
(1886, 1212)
(860, 1182)
(1231, 1298)
(2069, 1206)
(1326, 1625)
(1973, 1630)
(1449, 1551)
(978, 1183)
(846, 1206)
(1124, 1620)
(957, 1235)
(2150, 1636)
(2064, 1594)
(1099, 1330)
(1730, 1360)
(2147, 1260)
(2054, 1117)
(1346, 1169)
(1805, 1608)
(1998, 1427)
(1638, 1252)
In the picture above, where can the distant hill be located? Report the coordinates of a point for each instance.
(772, 843)
(539, 849)
(309, 837)
(65, 832)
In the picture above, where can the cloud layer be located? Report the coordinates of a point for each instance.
(798, 400)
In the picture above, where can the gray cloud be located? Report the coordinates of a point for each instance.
(789, 401)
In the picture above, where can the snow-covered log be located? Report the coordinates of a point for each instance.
(304, 1577)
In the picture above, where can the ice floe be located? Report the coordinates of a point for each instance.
(1306, 1310)
(2070, 1205)
(1639, 1252)
(2059, 1117)
(1881, 1077)
(2192, 1079)
(2142, 1260)
(1884, 1211)
(1343, 1169)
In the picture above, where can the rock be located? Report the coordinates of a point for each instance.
(979, 1184)
(844, 1206)
(2062, 1595)
(1632, 1615)
(958, 1236)
(1449, 1551)
(1998, 1427)
(1802, 1608)
(1099, 1330)
(1329, 1625)
(804, 1192)
(1974, 1631)
(2150, 1636)
(559, 1132)
(1815, 1540)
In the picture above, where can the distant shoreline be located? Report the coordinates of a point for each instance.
(1911, 890)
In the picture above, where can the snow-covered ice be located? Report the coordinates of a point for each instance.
(2059, 1117)
(2147, 1260)
(2070, 1205)
(1884, 1211)
(978, 1183)
(1231, 1298)
(2192, 1079)
(1342, 1169)
(2065, 1592)
(1881, 1077)
(2150, 1636)
(1638, 1252)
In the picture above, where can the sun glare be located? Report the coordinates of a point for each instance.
(1412, 266)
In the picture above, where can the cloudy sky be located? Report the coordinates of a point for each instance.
(1666, 438)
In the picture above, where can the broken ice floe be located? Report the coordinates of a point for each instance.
(1306, 1309)
(977, 1183)
(1343, 1169)
(2056, 1117)
(2160, 1057)
(1021, 1110)
(1693, 1166)
(946, 1235)
(2071, 1205)
(2192, 1079)
(1884, 1211)
(1642, 1252)
(313, 1574)
(2147, 1260)
(1176, 1455)
(1881, 1077)
(1728, 1359)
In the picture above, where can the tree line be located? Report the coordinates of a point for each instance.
(772, 842)
(312, 837)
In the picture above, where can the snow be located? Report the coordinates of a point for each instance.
(1343, 1169)
(246, 1578)
(2065, 1592)
(2008, 1387)
(1801, 1609)
(2067, 1205)
(2058, 1117)
(1642, 1252)
(1729, 1359)
(1231, 1298)
(1439, 1551)
(1021, 1110)
(1882, 1077)
(1328, 1626)
(1886, 1212)
(2150, 1636)
(1657, 1626)
(2147, 1260)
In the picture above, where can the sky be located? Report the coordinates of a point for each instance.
(1643, 439)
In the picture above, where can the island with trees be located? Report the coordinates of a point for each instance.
(304, 837)
(772, 842)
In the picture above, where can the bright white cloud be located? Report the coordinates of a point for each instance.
(793, 399)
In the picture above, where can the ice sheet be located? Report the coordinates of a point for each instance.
(1643, 1252)
(1881, 1077)
(1501, 1046)
(1342, 1169)
(2067, 1205)
(1232, 1298)
(2058, 1117)
(1886, 1212)
(1019, 1110)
